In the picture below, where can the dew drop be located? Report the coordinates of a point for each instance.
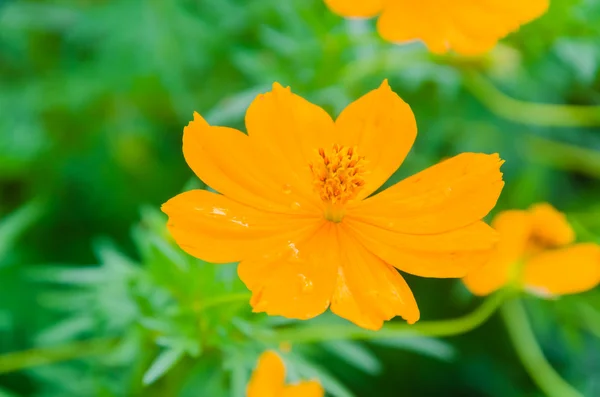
(294, 252)
(306, 284)
(219, 211)
(287, 189)
(295, 205)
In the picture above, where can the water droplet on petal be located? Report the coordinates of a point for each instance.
(219, 211)
(306, 284)
(287, 189)
(294, 252)
(295, 205)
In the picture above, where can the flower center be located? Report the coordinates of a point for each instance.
(338, 176)
(550, 230)
(538, 243)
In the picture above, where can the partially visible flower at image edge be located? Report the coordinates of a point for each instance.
(268, 380)
(297, 208)
(536, 252)
(469, 27)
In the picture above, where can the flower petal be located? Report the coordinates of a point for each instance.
(452, 194)
(229, 162)
(551, 226)
(564, 271)
(289, 130)
(298, 283)
(469, 28)
(368, 290)
(219, 230)
(383, 128)
(310, 388)
(404, 21)
(450, 254)
(514, 228)
(268, 378)
(355, 8)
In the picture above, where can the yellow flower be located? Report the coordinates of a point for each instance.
(297, 208)
(469, 27)
(536, 250)
(268, 380)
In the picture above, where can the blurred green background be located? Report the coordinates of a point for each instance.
(93, 99)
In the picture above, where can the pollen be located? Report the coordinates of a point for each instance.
(338, 174)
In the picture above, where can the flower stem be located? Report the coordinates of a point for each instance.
(528, 112)
(320, 333)
(531, 354)
(39, 356)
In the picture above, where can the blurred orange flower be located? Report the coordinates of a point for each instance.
(536, 250)
(268, 380)
(297, 207)
(469, 27)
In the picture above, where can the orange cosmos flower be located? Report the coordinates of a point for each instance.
(536, 250)
(469, 27)
(268, 380)
(296, 207)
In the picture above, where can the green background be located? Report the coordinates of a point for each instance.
(93, 99)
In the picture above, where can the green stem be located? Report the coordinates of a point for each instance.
(527, 112)
(320, 333)
(531, 354)
(30, 358)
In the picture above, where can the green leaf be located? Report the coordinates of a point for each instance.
(5, 319)
(425, 346)
(310, 370)
(162, 364)
(355, 354)
(5, 393)
(16, 223)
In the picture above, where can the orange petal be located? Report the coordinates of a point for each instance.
(467, 27)
(451, 254)
(452, 194)
(368, 290)
(563, 271)
(304, 389)
(297, 284)
(551, 226)
(219, 230)
(355, 8)
(289, 130)
(268, 378)
(226, 160)
(514, 228)
(383, 128)
(404, 21)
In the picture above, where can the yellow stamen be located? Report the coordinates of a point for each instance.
(337, 177)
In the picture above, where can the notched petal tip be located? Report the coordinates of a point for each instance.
(197, 122)
(412, 321)
(277, 87)
(164, 208)
(385, 84)
(169, 206)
